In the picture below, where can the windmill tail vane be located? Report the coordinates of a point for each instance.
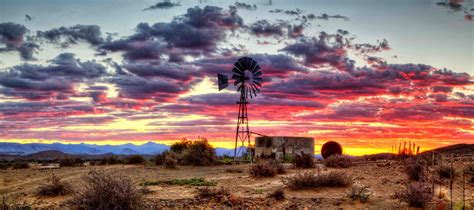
(247, 78)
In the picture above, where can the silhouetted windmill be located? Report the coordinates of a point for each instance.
(247, 78)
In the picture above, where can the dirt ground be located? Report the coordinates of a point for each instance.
(384, 179)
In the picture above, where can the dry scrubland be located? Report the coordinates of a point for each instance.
(191, 175)
(234, 186)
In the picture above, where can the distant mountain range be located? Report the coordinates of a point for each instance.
(149, 148)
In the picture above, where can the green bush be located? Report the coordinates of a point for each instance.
(198, 153)
(338, 161)
(181, 146)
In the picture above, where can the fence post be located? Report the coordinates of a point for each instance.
(451, 181)
(463, 190)
(433, 172)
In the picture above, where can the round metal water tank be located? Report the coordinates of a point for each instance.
(331, 148)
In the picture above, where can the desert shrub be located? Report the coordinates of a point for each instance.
(338, 161)
(70, 162)
(160, 158)
(225, 160)
(106, 191)
(198, 153)
(303, 161)
(315, 180)
(170, 160)
(266, 168)
(180, 146)
(217, 193)
(278, 194)
(415, 169)
(233, 170)
(191, 182)
(54, 187)
(445, 171)
(20, 165)
(135, 159)
(359, 192)
(416, 194)
(4, 166)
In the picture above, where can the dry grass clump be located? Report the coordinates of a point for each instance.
(170, 161)
(55, 187)
(266, 168)
(445, 171)
(106, 191)
(416, 194)
(315, 180)
(415, 169)
(208, 192)
(233, 170)
(278, 194)
(361, 193)
(303, 161)
(338, 161)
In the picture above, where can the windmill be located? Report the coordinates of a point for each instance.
(247, 78)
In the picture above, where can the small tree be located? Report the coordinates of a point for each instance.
(199, 153)
(181, 146)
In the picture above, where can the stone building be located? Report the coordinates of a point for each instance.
(282, 147)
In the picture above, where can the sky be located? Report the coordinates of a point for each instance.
(369, 74)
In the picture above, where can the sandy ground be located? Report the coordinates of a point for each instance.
(19, 186)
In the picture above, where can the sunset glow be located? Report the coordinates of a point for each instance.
(331, 72)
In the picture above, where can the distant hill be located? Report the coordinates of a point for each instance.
(457, 149)
(149, 148)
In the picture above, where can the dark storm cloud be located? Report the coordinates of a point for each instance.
(323, 50)
(165, 70)
(41, 82)
(72, 35)
(265, 28)
(12, 35)
(162, 5)
(194, 33)
(241, 5)
(156, 89)
(444, 89)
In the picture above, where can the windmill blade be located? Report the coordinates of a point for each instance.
(253, 65)
(255, 86)
(255, 69)
(257, 74)
(239, 66)
(253, 89)
(235, 76)
(237, 71)
(257, 83)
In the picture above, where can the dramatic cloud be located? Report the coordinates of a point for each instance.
(71, 35)
(12, 36)
(53, 81)
(241, 5)
(162, 5)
